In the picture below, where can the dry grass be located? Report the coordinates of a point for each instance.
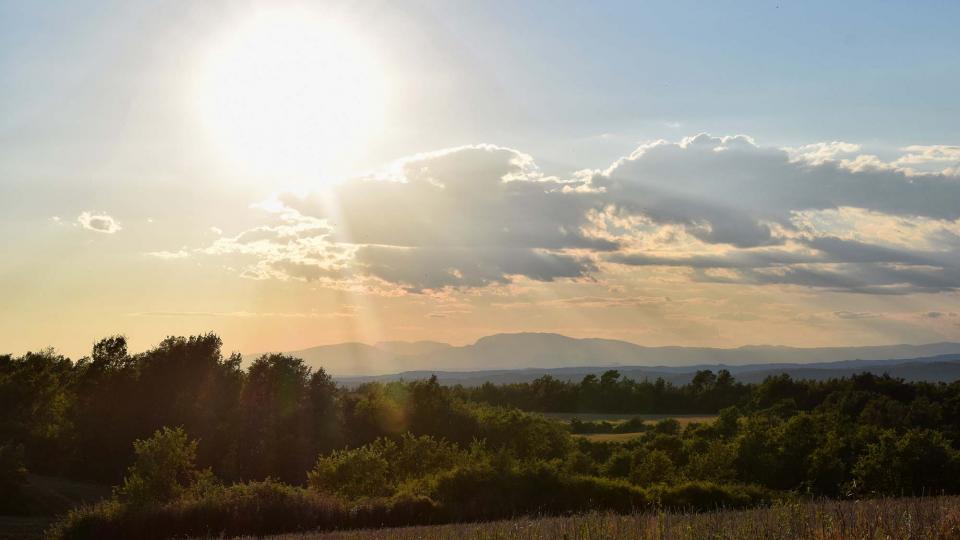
(888, 519)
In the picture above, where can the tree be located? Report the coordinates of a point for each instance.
(651, 468)
(920, 461)
(276, 432)
(355, 473)
(164, 468)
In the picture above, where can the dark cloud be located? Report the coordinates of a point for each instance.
(435, 268)
(876, 279)
(728, 190)
(473, 197)
(468, 217)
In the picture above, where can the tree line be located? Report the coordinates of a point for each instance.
(192, 436)
(707, 392)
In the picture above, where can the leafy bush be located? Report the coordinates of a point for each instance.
(709, 496)
(525, 435)
(164, 468)
(254, 508)
(488, 491)
(919, 461)
(379, 468)
(652, 467)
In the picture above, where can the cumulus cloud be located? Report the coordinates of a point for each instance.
(763, 206)
(821, 152)
(729, 190)
(472, 197)
(299, 247)
(725, 208)
(466, 217)
(935, 157)
(100, 222)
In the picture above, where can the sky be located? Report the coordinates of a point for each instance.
(289, 174)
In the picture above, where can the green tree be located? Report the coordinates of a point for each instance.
(651, 468)
(919, 461)
(164, 468)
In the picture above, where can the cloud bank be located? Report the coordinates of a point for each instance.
(722, 209)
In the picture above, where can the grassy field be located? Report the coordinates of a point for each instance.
(888, 519)
(684, 419)
(608, 437)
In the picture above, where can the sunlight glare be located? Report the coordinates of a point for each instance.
(286, 94)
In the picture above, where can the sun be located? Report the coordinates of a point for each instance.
(290, 95)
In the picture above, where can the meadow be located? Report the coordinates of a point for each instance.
(608, 437)
(616, 418)
(927, 518)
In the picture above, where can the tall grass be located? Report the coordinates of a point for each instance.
(928, 518)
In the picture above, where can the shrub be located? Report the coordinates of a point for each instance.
(163, 470)
(525, 435)
(379, 468)
(652, 467)
(486, 491)
(715, 463)
(919, 461)
(709, 496)
(355, 473)
(254, 508)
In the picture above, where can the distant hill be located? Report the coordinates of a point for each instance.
(539, 351)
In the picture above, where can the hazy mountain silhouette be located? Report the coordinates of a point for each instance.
(412, 348)
(542, 351)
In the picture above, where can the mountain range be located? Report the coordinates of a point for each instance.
(525, 356)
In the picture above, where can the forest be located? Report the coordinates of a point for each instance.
(198, 444)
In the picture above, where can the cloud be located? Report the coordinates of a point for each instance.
(946, 158)
(729, 190)
(588, 302)
(725, 208)
(344, 311)
(821, 152)
(760, 215)
(465, 217)
(482, 197)
(423, 268)
(855, 315)
(169, 255)
(101, 223)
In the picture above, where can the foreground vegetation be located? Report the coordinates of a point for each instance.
(882, 519)
(197, 445)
